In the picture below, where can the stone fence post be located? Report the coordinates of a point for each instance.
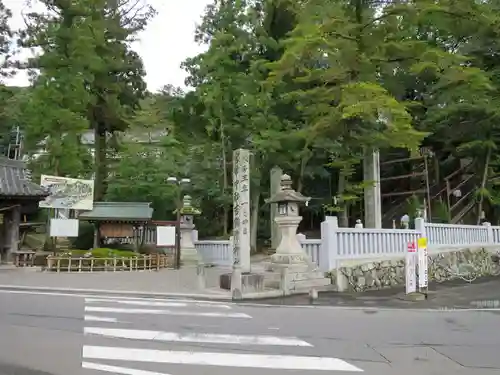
(194, 234)
(328, 248)
(420, 227)
(329, 257)
(489, 231)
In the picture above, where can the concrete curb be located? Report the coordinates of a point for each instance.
(135, 293)
(129, 293)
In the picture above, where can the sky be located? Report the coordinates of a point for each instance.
(163, 46)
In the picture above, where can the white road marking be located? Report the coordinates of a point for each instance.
(284, 362)
(152, 303)
(117, 370)
(137, 334)
(92, 318)
(79, 294)
(165, 312)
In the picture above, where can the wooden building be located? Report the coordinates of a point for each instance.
(18, 197)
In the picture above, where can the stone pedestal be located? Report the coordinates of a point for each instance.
(189, 254)
(302, 274)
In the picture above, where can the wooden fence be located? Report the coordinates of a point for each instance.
(153, 262)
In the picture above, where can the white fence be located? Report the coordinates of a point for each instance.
(344, 244)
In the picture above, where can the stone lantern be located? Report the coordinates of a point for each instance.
(289, 250)
(189, 255)
(289, 253)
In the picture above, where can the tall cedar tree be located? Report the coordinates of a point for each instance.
(90, 78)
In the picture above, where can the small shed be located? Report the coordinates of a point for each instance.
(18, 196)
(115, 220)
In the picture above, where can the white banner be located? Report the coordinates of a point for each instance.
(423, 277)
(411, 268)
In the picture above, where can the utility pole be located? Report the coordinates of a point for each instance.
(15, 144)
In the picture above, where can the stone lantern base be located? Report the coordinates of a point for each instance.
(291, 262)
(189, 256)
(297, 276)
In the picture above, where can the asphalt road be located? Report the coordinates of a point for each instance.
(61, 334)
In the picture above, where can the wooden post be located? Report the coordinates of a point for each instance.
(13, 238)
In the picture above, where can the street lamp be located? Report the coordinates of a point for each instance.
(179, 182)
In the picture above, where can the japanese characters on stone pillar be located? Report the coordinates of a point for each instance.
(241, 209)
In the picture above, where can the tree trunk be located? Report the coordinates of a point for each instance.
(303, 164)
(225, 182)
(254, 219)
(100, 159)
(344, 214)
(483, 185)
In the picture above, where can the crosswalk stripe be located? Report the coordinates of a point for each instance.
(165, 312)
(185, 300)
(92, 318)
(137, 334)
(284, 362)
(117, 370)
(154, 303)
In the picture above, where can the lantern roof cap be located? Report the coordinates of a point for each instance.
(286, 193)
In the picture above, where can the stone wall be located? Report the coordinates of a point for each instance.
(467, 264)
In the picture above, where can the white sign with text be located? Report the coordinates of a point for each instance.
(423, 277)
(411, 268)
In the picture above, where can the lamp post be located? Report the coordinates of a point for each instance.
(179, 183)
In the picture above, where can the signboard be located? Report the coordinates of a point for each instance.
(410, 268)
(68, 193)
(63, 228)
(241, 209)
(116, 230)
(423, 277)
(165, 236)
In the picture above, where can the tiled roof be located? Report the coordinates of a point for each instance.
(118, 211)
(15, 180)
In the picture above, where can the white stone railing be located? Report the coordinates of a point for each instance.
(344, 244)
(219, 253)
(455, 235)
(341, 244)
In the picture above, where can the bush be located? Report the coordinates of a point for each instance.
(102, 252)
(121, 246)
(85, 239)
(149, 249)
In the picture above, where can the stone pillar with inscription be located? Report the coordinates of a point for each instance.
(302, 273)
(189, 255)
(241, 210)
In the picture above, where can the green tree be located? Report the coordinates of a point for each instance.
(345, 56)
(90, 79)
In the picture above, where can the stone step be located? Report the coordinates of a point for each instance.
(308, 284)
(311, 279)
